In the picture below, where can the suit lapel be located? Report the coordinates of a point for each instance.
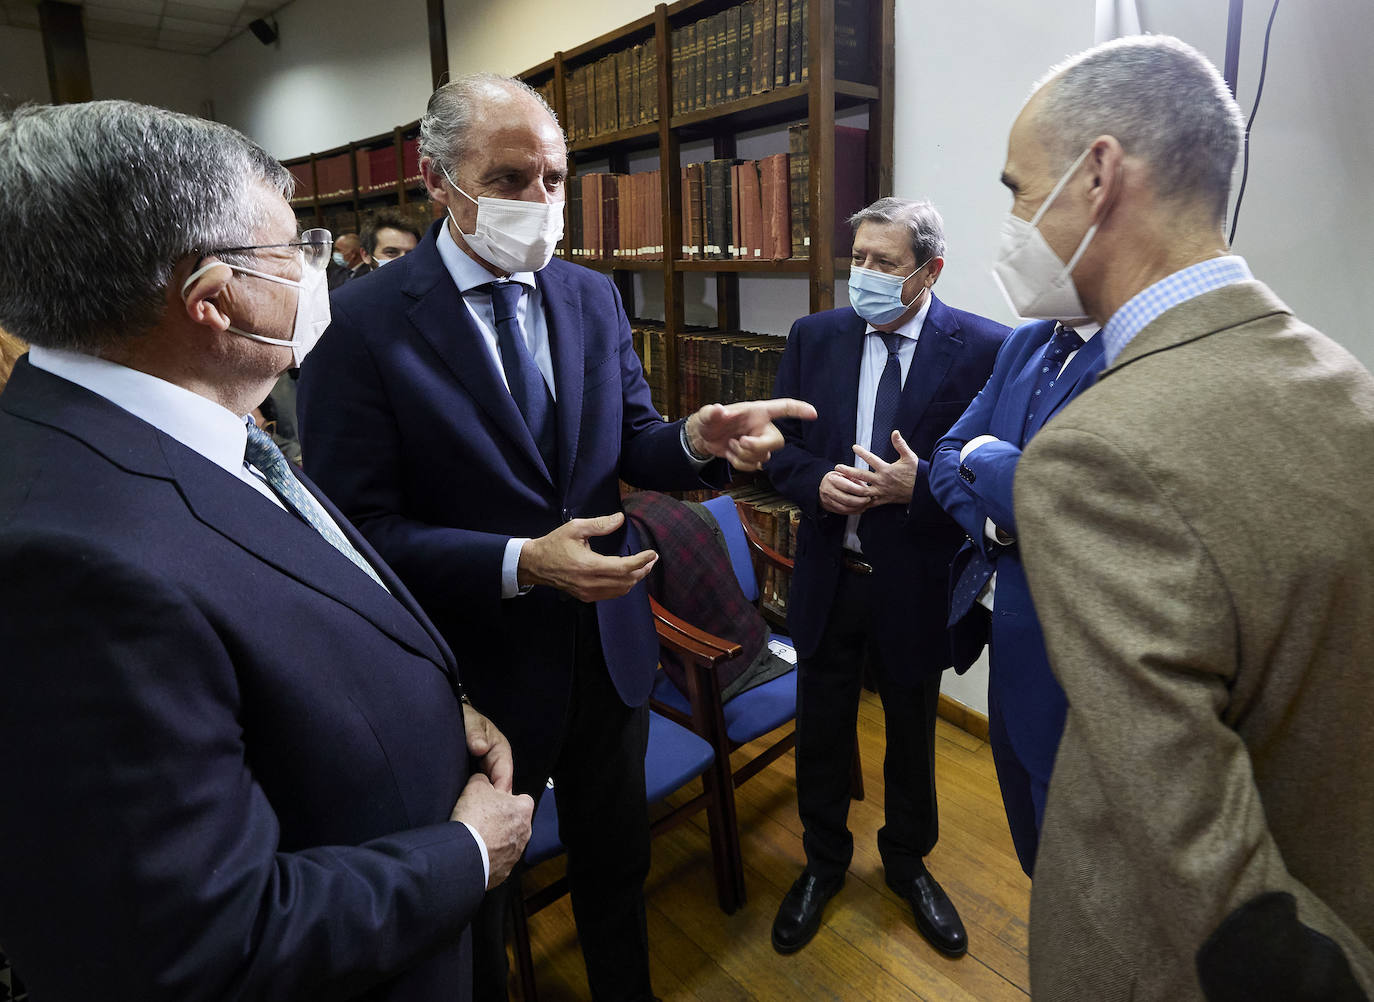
(1079, 367)
(443, 320)
(843, 377)
(936, 349)
(562, 313)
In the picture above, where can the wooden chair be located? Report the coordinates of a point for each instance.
(675, 756)
(756, 712)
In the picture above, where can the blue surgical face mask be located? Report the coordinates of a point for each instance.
(877, 296)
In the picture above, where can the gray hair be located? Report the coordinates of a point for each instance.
(1163, 101)
(920, 217)
(455, 106)
(105, 198)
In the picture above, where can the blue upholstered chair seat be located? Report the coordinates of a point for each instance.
(753, 712)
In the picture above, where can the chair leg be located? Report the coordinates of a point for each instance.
(722, 821)
(856, 778)
(524, 960)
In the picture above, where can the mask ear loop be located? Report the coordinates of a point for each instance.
(1054, 192)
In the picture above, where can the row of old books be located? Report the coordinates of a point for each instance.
(725, 366)
(614, 93)
(758, 46)
(615, 217)
(651, 345)
(775, 521)
(374, 169)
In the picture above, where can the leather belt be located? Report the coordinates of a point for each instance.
(855, 563)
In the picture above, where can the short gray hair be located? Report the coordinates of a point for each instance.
(457, 105)
(105, 198)
(920, 217)
(1163, 101)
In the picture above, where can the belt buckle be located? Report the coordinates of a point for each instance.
(855, 563)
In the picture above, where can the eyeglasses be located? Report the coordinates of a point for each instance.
(316, 247)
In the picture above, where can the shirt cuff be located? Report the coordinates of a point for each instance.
(510, 567)
(974, 443)
(482, 848)
(687, 448)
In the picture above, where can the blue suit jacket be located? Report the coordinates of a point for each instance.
(228, 757)
(1020, 678)
(912, 546)
(407, 424)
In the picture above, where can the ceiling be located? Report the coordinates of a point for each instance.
(192, 26)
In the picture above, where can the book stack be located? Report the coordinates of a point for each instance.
(758, 46)
(651, 344)
(305, 183)
(376, 170)
(737, 210)
(334, 176)
(546, 91)
(725, 366)
(615, 217)
(617, 92)
(775, 521)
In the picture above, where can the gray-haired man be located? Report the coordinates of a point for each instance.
(1198, 535)
(889, 374)
(232, 745)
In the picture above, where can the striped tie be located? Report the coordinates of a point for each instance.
(263, 455)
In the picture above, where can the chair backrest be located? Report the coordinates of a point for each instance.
(725, 513)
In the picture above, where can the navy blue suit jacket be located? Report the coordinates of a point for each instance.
(228, 757)
(1020, 679)
(407, 424)
(911, 547)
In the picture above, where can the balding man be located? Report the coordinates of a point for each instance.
(1198, 535)
(232, 746)
(473, 408)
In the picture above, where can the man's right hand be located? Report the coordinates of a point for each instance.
(564, 560)
(502, 819)
(843, 496)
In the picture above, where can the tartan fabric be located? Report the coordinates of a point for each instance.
(1181, 286)
(694, 581)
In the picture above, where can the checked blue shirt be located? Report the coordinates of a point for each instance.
(1164, 295)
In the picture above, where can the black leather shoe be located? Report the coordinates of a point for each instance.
(799, 915)
(936, 918)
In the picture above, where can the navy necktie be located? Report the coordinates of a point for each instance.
(885, 401)
(1065, 342)
(526, 382)
(262, 454)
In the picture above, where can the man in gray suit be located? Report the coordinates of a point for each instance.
(1198, 533)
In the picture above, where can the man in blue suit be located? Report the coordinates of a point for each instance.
(1043, 365)
(232, 746)
(888, 376)
(473, 408)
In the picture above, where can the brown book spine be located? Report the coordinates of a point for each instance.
(782, 39)
(797, 10)
(696, 174)
(651, 83)
(703, 78)
(736, 215)
(751, 205)
(799, 172)
(852, 56)
(730, 64)
(595, 249)
(610, 216)
(624, 86)
(679, 62)
(774, 185)
(805, 61)
(765, 30)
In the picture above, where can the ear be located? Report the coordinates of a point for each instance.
(1104, 164)
(936, 266)
(199, 297)
(434, 181)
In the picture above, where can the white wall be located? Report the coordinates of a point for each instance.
(501, 36)
(168, 79)
(341, 70)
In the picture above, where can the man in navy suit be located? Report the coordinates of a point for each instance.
(888, 376)
(1042, 367)
(234, 756)
(473, 409)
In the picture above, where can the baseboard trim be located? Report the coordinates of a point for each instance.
(964, 717)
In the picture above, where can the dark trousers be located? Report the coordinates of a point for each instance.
(828, 686)
(604, 823)
(1023, 794)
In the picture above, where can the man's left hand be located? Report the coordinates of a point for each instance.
(894, 481)
(491, 749)
(743, 433)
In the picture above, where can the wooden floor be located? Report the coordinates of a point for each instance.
(868, 947)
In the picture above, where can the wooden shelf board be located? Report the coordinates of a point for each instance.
(772, 106)
(346, 198)
(791, 265)
(639, 137)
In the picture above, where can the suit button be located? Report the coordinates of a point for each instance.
(967, 474)
(567, 515)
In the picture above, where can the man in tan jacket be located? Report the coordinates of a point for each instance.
(1198, 532)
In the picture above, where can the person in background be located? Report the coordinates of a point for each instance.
(348, 254)
(236, 750)
(888, 374)
(474, 407)
(1042, 366)
(1197, 531)
(386, 238)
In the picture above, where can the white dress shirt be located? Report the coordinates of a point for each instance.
(870, 374)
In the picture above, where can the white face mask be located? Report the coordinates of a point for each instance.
(1035, 282)
(877, 296)
(312, 307)
(511, 234)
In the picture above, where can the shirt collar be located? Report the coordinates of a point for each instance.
(1174, 290)
(912, 328)
(468, 274)
(196, 422)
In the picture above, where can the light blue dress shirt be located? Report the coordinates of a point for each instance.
(1183, 285)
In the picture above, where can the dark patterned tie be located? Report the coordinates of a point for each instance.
(1065, 342)
(526, 382)
(970, 584)
(885, 402)
(263, 455)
